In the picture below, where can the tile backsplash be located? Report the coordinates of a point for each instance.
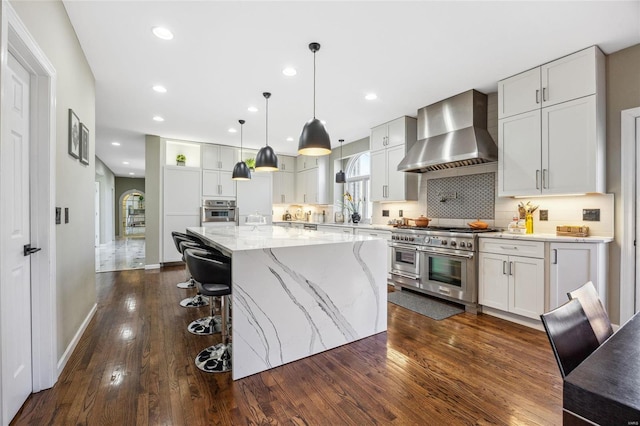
(462, 197)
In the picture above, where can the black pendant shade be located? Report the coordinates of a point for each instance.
(314, 139)
(340, 176)
(267, 160)
(241, 170)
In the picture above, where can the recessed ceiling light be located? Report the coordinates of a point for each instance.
(289, 139)
(131, 173)
(162, 33)
(125, 162)
(232, 130)
(160, 89)
(115, 143)
(252, 109)
(158, 118)
(371, 96)
(289, 71)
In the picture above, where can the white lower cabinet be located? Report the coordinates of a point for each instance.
(511, 282)
(572, 265)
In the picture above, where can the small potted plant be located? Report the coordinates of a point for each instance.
(251, 163)
(180, 159)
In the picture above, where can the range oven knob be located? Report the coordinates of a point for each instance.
(413, 239)
(444, 242)
(453, 244)
(462, 244)
(469, 246)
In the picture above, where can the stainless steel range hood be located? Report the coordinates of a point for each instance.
(451, 133)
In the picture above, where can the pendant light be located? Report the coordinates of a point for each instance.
(240, 170)
(266, 160)
(340, 176)
(314, 139)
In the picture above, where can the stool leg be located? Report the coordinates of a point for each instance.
(190, 283)
(206, 325)
(217, 358)
(194, 302)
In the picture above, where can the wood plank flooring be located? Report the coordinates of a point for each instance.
(134, 366)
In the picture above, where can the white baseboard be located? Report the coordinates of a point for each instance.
(508, 316)
(153, 266)
(62, 362)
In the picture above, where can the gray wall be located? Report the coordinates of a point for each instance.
(49, 25)
(153, 200)
(106, 179)
(623, 92)
(124, 184)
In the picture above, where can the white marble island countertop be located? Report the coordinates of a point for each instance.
(296, 293)
(238, 238)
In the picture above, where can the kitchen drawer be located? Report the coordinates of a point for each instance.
(374, 233)
(512, 247)
(336, 229)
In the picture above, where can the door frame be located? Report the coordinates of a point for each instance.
(15, 38)
(629, 293)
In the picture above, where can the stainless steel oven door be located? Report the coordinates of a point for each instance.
(451, 273)
(218, 215)
(405, 260)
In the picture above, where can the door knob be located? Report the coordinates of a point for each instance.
(28, 250)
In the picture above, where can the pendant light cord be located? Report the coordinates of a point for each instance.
(314, 85)
(267, 122)
(241, 141)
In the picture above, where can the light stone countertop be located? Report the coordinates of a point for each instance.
(239, 238)
(344, 225)
(546, 237)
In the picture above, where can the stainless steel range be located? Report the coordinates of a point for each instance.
(440, 261)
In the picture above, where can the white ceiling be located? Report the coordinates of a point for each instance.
(226, 53)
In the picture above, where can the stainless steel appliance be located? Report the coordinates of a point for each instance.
(216, 212)
(451, 133)
(440, 261)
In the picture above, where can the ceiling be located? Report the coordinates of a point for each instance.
(226, 53)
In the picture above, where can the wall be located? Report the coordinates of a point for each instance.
(106, 179)
(623, 92)
(124, 184)
(49, 25)
(153, 201)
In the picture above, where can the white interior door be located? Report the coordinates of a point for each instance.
(637, 212)
(97, 214)
(15, 293)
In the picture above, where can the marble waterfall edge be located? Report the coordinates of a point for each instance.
(293, 302)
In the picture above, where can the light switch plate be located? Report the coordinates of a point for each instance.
(544, 215)
(399, 213)
(591, 215)
(385, 213)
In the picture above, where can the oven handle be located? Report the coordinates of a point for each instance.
(459, 255)
(404, 246)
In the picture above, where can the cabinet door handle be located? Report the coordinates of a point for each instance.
(504, 267)
(284, 166)
(544, 94)
(545, 179)
(555, 257)
(537, 96)
(511, 268)
(219, 164)
(538, 179)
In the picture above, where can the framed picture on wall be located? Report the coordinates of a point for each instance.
(74, 134)
(84, 144)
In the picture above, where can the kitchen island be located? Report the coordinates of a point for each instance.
(296, 293)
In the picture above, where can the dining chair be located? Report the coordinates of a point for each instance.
(593, 308)
(570, 334)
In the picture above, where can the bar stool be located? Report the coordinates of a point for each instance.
(178, 238)
(213, 278)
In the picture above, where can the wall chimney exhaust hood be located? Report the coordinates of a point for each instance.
(451, 133)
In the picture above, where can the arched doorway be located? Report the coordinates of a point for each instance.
(131, 214)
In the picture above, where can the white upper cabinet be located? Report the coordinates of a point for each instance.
(389, 143)
(551, 134)
(219, 157)
(306, 162)
(284, 180)
(312, 182)
(287, 163)
(218, 184)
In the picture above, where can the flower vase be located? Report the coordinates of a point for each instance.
(528, 221)
(355, 217)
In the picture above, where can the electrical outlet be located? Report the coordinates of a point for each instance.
(385, 213)
(399, 213)
(544, 215)
(591, 215)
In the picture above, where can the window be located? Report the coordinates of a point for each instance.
(358, 172)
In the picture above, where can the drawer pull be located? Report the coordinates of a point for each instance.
(509, 248)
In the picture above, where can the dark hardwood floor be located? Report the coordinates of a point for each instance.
(134, 366)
